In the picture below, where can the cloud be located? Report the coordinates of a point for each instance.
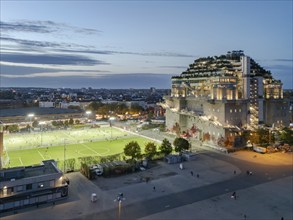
(53, 74)
(176, 67)
(31, 43)
(284, 60)
(12, 71)
(42, 27)
(161, 54)
(275, 67)
(123, 81)
(28, 26)
(53, 59)
(76, 48)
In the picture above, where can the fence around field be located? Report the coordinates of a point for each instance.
(60, 137)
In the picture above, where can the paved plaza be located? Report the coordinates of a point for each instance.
(180, 195)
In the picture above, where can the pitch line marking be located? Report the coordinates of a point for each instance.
(20, 161)
(85, 145)
(41, 155)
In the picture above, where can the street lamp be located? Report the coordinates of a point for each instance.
(30, 116)
(42, 123)
(64, 146)
(119, 199)
(88, 113)
(111, 119)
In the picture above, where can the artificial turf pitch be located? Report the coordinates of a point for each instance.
(32, 148)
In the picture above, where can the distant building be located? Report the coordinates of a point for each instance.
(31, 185)
(46, 104)
(41, 114)
(67, 104)
(217, 97)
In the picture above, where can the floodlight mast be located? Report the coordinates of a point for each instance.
(31, 115)
(110, 121)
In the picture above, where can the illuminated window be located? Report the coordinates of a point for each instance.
(230, 110)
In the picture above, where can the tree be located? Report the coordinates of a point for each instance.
(12, 128)
(77, 121)
(150, 149)
(181, 144)
(166, 147)
(261, 137)
(162, 127)
(286, 136)
(35, 123)
(176, 128)
(71, 122)
(132, 149)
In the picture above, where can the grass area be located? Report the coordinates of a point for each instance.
(78, 143)
(18, 141)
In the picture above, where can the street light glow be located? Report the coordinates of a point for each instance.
(88, 112)
(31, 115)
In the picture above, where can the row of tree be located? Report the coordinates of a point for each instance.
(114, 108)
(133, 150)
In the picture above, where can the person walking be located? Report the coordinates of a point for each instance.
(197, 175)
(191, 173)
(234, 171)
(154, 188)
(233, 195)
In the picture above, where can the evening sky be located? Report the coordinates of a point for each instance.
(136, 44)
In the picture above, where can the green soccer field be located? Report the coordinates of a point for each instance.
(20, 141)
(78, 143)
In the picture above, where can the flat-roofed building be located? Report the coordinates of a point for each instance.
(31, 185)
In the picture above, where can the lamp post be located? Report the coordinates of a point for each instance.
(30, 116)
(88, 113)
(111, 119)
(119, 199)
(64, 146)
(41, 125)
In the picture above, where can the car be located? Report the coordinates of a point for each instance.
(142, 168)
(99, 172)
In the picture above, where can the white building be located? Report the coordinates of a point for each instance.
(217, 97)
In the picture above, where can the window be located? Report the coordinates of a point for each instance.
(240, 110)
(230, 110)
(235, 110)
(19, 188)
(29, 186)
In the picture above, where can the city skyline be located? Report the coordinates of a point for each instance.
(126, 44)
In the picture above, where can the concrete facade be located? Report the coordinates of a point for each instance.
(223, 96)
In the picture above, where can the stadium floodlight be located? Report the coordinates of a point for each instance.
(88, 112)
(30, 115)
(110, 121)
